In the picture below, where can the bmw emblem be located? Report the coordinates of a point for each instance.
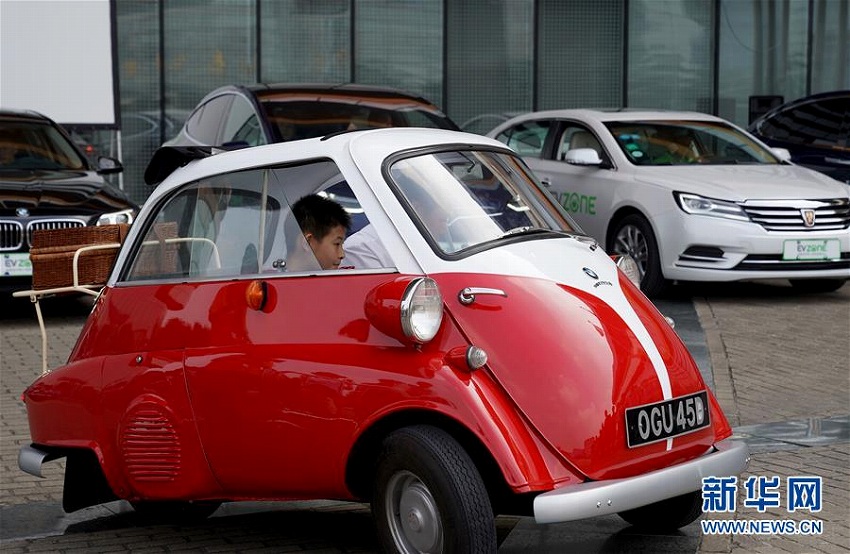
(590, 273)
(22, 212)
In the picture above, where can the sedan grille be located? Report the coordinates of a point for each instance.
(799, 215)
(11, 235)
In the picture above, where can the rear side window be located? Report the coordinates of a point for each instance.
(235, 224)
(813, 123)
(204, 123)
(242, 124)
(526, 138)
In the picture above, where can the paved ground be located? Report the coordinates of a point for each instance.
(779, 363)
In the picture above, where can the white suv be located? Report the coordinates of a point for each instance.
(690, 196)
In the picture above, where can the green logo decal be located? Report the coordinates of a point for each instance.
(578, 203)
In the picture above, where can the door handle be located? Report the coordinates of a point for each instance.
(467, 295)
(546, 182)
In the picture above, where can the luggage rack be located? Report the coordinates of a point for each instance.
(35, 295)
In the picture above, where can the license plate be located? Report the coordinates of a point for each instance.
(670, 418)
(15, 265)
(811, 249)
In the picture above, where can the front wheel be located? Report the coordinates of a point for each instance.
(666, 515)
(633, 236)
(817, 285)
(429, 496)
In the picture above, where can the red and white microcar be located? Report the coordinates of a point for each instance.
(493, 360)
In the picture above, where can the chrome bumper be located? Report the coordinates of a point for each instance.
(599, 498)
(30, 459)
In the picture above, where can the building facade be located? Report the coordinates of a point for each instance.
(478, 59)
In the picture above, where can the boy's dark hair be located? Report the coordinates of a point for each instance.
(318, 215)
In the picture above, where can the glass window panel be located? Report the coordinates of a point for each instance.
(580, 54)
(669, 54)
(762, 52)
(305, 41)
(207, 45)
(489, 47)
(831, 46)
(400, 44)
(137, 32)
(526, 138)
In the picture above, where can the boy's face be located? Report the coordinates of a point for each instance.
(328, 250)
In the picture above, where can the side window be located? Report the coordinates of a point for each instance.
(526, 138)
(235, 224)
(242, 124)
(575, 136)
(212, 228)
(204, 123)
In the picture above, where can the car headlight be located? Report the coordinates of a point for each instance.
(700, 205)
(421, 310)
(124, 216)
(630, 268)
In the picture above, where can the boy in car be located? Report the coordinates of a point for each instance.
(324, 224)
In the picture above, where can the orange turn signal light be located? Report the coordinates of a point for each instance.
(256, 295)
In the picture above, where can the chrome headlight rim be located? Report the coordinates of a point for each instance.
(630, 268)
(421, 294)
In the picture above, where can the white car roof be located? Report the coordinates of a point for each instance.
(602, 115)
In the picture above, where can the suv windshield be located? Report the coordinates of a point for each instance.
(686, 142)
(34, 145)
(463, 199)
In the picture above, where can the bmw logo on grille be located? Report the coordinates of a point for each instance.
(590, 273)
(22, 212)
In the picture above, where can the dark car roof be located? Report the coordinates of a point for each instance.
(24, 114)
(353, 93)
(352, 89)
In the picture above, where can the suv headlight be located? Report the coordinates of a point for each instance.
(124, 216)
(700, 205)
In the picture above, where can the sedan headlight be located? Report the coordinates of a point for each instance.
(124, 216)
(421, 310)
(700, 205)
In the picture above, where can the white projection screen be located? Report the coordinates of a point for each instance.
(57, 57)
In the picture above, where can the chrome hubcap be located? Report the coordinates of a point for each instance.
(630, 241)
(413, 515)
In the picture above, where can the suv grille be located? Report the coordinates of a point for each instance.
(799, 215)
(11, 235)
(50, 224)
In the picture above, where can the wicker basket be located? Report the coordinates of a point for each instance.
(53, 252)
(75, 237)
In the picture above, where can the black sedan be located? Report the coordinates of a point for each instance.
(46, 182)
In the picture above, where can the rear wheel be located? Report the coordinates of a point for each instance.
(666, 515)
(429, 496)
(633, 236)
(817, 285)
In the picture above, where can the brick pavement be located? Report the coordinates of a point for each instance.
(779, 356)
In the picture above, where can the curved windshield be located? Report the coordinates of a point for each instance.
(464, 198)
(33, 145)
(686, 143)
